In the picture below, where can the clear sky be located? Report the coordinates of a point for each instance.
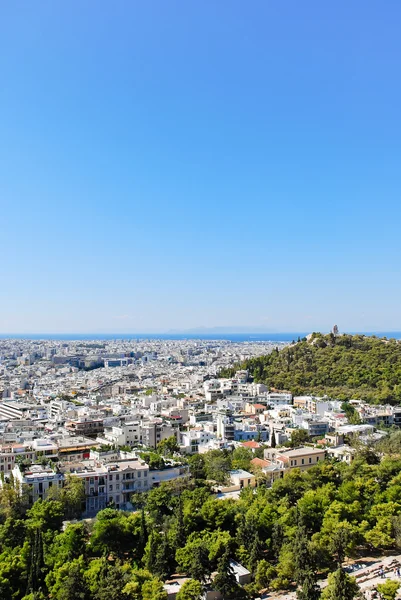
(174, 164)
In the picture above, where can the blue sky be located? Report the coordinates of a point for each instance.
(168, 165)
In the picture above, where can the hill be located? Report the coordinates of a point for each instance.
(344, 367)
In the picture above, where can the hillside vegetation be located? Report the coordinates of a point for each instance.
(345, 366)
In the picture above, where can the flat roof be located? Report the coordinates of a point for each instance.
(241, 473)
(300, 452)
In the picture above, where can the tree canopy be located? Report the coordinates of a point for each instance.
(344, 366)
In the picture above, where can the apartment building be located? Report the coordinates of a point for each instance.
(37, 481)
(301, 458)
(85, 426)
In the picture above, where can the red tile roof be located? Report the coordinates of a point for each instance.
(251, 444)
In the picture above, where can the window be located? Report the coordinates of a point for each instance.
(310, 460)
(117, 477)
(295, 462)
(117, 486)
(317, 459)
(139, 473)
(303, 461)
(145, 474)
(91, 481)
(110, 488)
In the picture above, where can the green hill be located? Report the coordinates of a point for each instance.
(344, 367)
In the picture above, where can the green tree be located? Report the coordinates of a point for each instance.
(340, 587)
(36, 562)
(68, 582)
(191, 590)
(45, 515)
(241, 458)
(193, 560)
(225, 581)
(265, 573)
(217, 465)
(164, 563)
(299, 437)
(168, 446)
(112, 534)
(68, 545)
(389, 589)
(309, 589)
(153, 590)
(196, 464)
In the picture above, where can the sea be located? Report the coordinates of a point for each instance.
(230, 337)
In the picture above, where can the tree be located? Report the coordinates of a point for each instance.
(191, 590)
(143, 535)
(389, 589)
(241, 458)
(112, 534)
(225, 581)
(35, 577)
(340, 587)
(299, 437)
(153, 590)
(303, 560)
(193, 560)
(273, 440)
(113, 579)
(179, 533)
(68, 582)
(68, 545)
(255, 553)
(217, 465)
(164, 563)
(151, 549)
(168, 446)
(45, 515)
(196, 464)
(72, 496)
(265, 572)
(309, 589)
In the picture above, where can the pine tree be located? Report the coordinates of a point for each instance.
(255, 553)
(309, 590)
(35, 576)
(340, 587)
(225, 581)
(242, 531)
(180, 534)
(277, 538)
(143, 535)
(200, 564)
(164, 562)
(153, 544)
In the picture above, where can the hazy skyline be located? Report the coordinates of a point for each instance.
(179, 165)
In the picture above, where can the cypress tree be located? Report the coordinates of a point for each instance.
(225, 581)
(273, 440)
(309, 590)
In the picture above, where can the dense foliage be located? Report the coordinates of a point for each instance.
(288, 536)
(344, 366)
